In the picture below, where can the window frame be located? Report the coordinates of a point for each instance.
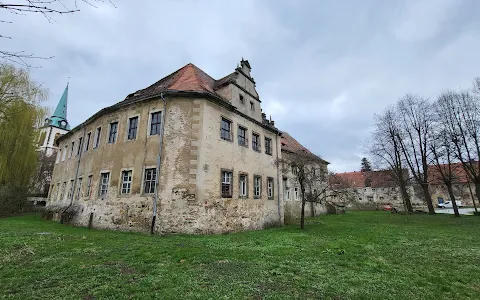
(241, 128)
(71, 191)
(89, 186)
(64, 156)
(268, 150)
(72, 149)
(78, 191)
(255, 178)
(230, 123)
(87, 141)
(241, 99)
(115, 137)
(129, 124)
(128, 183)
(150, 119)
(101, 184)
(252, 106)
(222, 172)
(272, 188)
(80, 146)
(97, 137)
(259, 142)
(152, 182)
(245, 176)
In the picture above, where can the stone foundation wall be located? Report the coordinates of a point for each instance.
(293, 211)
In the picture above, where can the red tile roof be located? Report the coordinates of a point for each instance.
(374, 179)
(189, 78)
(291, 145)
(459, 174)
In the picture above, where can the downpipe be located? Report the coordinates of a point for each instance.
(159, 161)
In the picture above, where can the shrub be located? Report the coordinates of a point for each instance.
(13, 200)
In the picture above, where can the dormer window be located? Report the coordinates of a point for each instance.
(241, 100)
(252, 105)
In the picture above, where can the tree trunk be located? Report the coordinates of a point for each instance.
(302, 215)
(428, 199)
(473, 198)
(452, 198)
(406, 197)
(477, 191)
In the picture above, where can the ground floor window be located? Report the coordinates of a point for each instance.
(226, 184)
(257, 186)
(89, 186)
(149, 180)
(104, 182)
(270, 187)
(79, 188)
(243, 180)
(126, 182)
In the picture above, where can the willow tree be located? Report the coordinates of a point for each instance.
(20, 115)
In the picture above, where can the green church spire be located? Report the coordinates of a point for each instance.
(59, 118)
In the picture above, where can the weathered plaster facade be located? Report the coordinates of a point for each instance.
(193, 157)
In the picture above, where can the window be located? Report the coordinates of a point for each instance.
(226, 184)
(243, 181)
(70, 190)
(79, 188)
(149, 181)
(270, 187)
(226, 130)
(241, 100)
(268, 146)
(87, 141)
(79, 146)
(256, 142)
(252, 105)
(89, 186)
(242, 136)
(132, 128)
(112, 136)
(294, 170)
(64, 153)
(295, 193)
(370, 198)
(71, 150)
(257, 186)
(64, 187)
(126, 182)
(104, 181)
(155, 123)
(98, 132)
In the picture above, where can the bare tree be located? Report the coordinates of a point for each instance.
(47, 8)
(384, 146)
(415, 124)
(462, 122)
(310, 173)
(443, 153)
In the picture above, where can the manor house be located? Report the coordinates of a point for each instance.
(187, 154)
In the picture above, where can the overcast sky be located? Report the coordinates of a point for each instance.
(322, 68)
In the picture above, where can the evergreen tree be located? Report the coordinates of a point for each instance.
(365, 165)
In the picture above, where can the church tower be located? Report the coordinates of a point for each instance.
(54, 126)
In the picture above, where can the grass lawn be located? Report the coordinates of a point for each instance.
(361, 255)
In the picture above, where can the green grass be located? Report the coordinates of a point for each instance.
(361, 255)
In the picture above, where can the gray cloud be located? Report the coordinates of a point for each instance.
(322, 68)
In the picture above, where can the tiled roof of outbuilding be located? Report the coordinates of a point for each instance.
(290, 144)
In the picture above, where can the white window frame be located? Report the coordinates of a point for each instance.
(295, 193)
(257, 186)
(79, 188)
(103, 184)
(126, 185)
(270, 188)
(243, 185)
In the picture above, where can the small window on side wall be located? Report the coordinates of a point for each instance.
(242, 101)
(252, 105)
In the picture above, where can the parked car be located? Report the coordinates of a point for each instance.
(448, 204)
